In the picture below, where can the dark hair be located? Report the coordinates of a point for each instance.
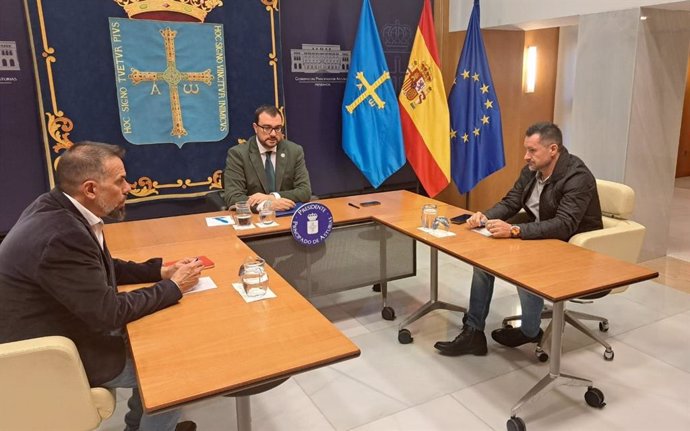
(549, 133)
(268, 109)
(83, 161)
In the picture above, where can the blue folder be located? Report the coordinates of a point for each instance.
(290, 211)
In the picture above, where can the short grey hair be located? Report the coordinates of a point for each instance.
(83, 161)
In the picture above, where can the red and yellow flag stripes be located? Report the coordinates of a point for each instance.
(424, 110)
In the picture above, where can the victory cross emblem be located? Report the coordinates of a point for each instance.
(170, 79)
(369, 91)
(173, 77)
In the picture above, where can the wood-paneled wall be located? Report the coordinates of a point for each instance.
(683, 162)
(505, 50)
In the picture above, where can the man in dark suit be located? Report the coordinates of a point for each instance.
(267, 167)
(58, 278)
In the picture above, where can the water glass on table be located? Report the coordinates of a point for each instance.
(254, 277)
(429, 213)
(266, 214)
(243, 214)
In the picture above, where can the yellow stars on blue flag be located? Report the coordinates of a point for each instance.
(488, 103)
(477, 147)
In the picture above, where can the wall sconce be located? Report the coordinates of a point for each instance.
(530, 69)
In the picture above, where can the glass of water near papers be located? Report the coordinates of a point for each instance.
(429, 213)
(267, 215)
(243, 214)
(254, 277)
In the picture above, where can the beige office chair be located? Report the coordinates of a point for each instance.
(43, 386)
(620, 238)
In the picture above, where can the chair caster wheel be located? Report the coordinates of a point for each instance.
(516, 424)
(542, 356)
(594, 397)
(388, 313)
(405, 336)
(608, 355)
(376, 287)
(604, 326)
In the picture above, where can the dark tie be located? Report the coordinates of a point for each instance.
(270, 173)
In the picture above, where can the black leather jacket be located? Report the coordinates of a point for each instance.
(569, 203)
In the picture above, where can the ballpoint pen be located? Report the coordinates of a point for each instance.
(353, 205)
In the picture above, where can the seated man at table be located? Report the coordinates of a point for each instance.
(559, 196)
(58, 278)
(267, 167)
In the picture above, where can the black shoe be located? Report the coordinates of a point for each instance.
(470, 341)
(186, 426)
(513, 337)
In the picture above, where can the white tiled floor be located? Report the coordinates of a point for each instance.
(411, 387)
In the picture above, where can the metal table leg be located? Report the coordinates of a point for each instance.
(244, 413)
(555, 378)
(433, 303)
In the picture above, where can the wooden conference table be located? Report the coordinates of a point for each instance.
(214, 343)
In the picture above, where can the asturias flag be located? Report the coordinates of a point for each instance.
(372, 136)
(476, 134)
(424, 110)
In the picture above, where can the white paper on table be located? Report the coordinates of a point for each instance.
(240, 289)
(219, 221)
(438, 233)
(249, 226)
(482, 231)
(205, 283)
(271, 224)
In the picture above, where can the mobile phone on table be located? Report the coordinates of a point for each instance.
(370, 203)
(460, 219)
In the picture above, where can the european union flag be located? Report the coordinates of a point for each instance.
(475, 120)
(372, 135)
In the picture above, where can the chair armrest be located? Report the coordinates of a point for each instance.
(104, 400)
(623, 241)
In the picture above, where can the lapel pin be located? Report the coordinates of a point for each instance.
(282, 155)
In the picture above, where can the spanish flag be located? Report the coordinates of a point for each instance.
(424, 110)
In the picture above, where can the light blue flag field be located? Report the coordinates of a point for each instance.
(372, 135)
(475, 118)
(171, 81)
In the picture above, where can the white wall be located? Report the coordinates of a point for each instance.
(527, 14)
(565, 82)
(620, 105)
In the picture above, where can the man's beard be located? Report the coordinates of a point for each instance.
(117, 214)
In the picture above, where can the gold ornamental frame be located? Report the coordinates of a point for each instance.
(56, 125)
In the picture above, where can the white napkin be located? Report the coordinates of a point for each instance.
(238, 287)
(219, 221)
(438, 233)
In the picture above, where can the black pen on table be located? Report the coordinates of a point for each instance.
(353, 205)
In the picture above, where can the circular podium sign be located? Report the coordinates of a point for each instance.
(311, 224)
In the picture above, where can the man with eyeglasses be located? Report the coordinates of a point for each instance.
(267, 167)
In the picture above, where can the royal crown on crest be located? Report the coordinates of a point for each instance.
(197, 9)
(312, 216)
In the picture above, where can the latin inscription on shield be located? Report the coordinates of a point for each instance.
(170, 80)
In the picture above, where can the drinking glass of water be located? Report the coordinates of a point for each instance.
(243, 214)
(267, 215)
(429, 213)
(254, 277)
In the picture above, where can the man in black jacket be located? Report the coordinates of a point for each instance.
(559, 196)
(58, 278)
